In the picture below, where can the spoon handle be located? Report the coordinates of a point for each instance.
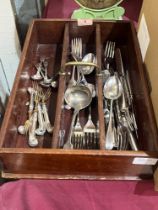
(72, 81)
(110, 137)
(68, 144)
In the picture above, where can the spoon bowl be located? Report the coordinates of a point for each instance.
(78, 97)
(112, 88)
(88, 58)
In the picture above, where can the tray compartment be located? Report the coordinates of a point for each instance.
(89, 46)
(43, 43)
(123, 36)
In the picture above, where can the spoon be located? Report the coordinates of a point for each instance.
(112, 91)
(72, 81)
(77, 97)
(88, 58)
(37, 76)
(46, 80)
(85, 70)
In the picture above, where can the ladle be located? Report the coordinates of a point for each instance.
(112, 90)
(77, 97)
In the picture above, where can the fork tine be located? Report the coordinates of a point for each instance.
(77, 50)
(81, 142)
(89, 140)
(81, 139)
(109, 49)
(78, 142)
(80, 48)
(106, 49)
(72, 46)
(113, 49)
(73, 140)
(95, 141)
(76, 46)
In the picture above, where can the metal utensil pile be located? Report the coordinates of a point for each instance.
(41, 74)
(78, 95)
(38, 120)
(121, 132)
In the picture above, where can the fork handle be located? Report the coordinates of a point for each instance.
(68, 144)
(110, 138)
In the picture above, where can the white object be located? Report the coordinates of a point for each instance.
(143, 36)
(9, 49)
(84, 22)
(145, 161)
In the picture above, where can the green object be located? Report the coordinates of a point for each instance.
(97, 4)
(114, 12)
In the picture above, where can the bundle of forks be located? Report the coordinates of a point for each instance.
(38, 120)
(83, 136)
(87, 136)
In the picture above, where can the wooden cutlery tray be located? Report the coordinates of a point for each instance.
(51, 39)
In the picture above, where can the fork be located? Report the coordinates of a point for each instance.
(77, 138)
(109, 53)
(90, 132)
(76, 49)
(108, 57)
(77, 55)
(76, 52)
(44, 97)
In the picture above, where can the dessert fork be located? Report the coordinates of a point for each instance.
(90, 132)
(108, 57)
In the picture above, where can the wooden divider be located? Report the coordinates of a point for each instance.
(100, 88)
(61, 89)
